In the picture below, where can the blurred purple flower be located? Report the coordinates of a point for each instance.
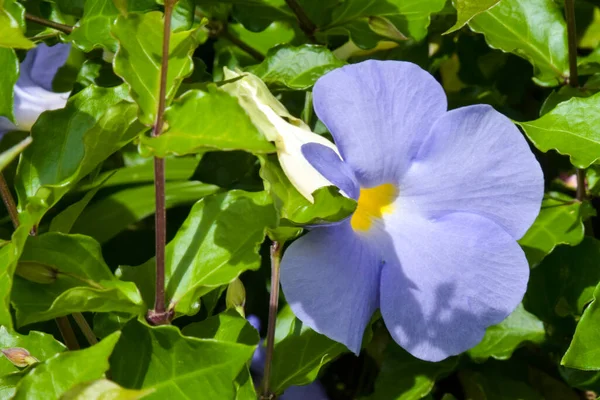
(312, 391)
(442, 198)
(33, 90)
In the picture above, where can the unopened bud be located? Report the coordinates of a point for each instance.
(384, 27)
(36, 272)
(19, 356)
(236, 296)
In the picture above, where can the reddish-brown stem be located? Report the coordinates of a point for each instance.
(50, 24)
(9, 202)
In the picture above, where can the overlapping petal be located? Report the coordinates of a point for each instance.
(445, 281)
(379, 112)
(475, 160)
(330, 278)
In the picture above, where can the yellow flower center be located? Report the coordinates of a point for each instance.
(373, 203)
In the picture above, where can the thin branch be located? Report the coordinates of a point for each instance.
(66, 331)
(241, 44)
(50, 24)
(276, 248)
(85, 328)
(307, 26)
(9, 202)
(160, 315)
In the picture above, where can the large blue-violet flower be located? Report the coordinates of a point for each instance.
(442, 198)
(33, 91)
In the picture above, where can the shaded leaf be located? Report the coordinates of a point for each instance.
(54, 377)
(569, 128)
(296, 68)
(176, 366)
(138, 58)
(534, 30)
(84, 281)
(202, 120)
(218, 241)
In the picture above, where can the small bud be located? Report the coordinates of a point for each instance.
(236, 296)
(384, 27)
(36, 272)
(19, 357)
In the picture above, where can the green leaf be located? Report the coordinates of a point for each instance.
(410, 17)
(8, 79)
(93, 29)
(40, 345)
(175, 366)
(501, 340)
(294, 209)
(569, 128)
(54, 377)
(564, 282)
(467, 9)
(559, 222)
(104, 219)
(534, 30)
(276, 33)
(83, 281)
(296, 68)
(298, 358)
(12, 23)
(103, 389)
(227, 326)
(138, 58)
(404, 377)
(9, 155)
(584, 351)
(201, 120)
(218, 241)
(69, 143)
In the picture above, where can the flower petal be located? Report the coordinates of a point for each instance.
(329, 164)
(378, 113)
(330, 278)
(41, 65)
(476, 160)
(445, 281)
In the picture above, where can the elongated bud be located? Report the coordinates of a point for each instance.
(19, 356)
(36, 272)
(384, 27)
(236, 296)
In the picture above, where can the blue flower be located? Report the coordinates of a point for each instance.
(442, 198)
(33, 92)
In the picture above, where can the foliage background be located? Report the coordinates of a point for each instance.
(85, 186)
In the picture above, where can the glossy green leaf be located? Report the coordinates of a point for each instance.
(467, 9)
(293, 208)
(218, 241)
(571, 129)
(54, 377)
(276, 33)
(298, 358)
(84, 282)
(40, 345)
(103, 389)
(559, 222)
(404, 377)
(584, 351)
(12, 18)
(104, 219)
(206, 120)
(175, 366)
(534, 30)
(296, 67)
(69, 143)
(564, 282)
(227, 326)
(501, 340)
(138, 58)
(8, 78)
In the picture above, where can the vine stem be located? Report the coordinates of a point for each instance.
(257, 55)
(307, 26)
(67, 333)
(574, 78)
(160, 315)
(50, 24)
(276, 248)
(85, 328)
(9, 202)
